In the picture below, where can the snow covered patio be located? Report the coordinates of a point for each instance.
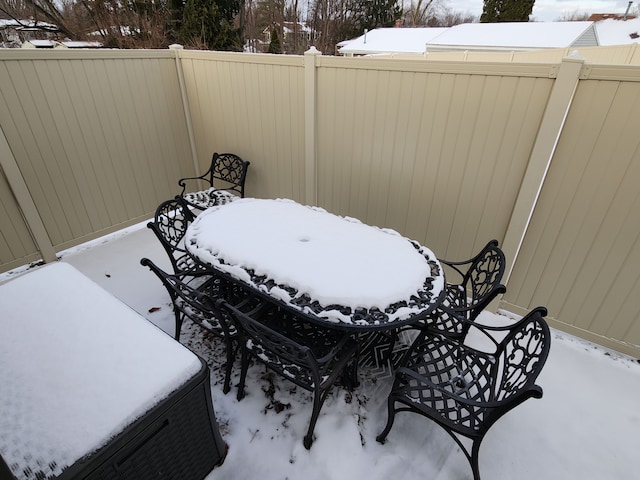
(586, 425)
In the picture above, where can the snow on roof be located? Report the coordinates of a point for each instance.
(80, 44)
(10, 22)
(523, 35)
(618, 32)
(392, 40)
(512, 35)
(34, 43)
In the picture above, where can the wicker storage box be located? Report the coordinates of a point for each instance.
(92, 390)
(177, 439)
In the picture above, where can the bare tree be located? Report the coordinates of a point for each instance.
(50, 11)
(14, 9)
(417, 12)
(448, 18)
(574, 16)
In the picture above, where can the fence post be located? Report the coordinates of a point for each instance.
(185, 106)
(25, 201)
(541, 155)
(310, 126)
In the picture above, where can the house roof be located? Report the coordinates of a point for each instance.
(391, 40)
(35, 43)
(494, 36)
(618, 32)
(596, 17)
(511, 35)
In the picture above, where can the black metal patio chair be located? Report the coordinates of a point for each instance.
(310, 356)
(465, 390)
(226, 177)
(198, 305)
(479, 283)
(169, 225)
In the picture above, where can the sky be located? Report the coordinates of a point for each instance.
(585, 426)
(551, 10)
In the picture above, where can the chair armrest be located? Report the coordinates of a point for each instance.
(456, 265)
(341, 345)
(519, 397)
(205, 176)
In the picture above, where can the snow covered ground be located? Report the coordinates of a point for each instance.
(586, 426)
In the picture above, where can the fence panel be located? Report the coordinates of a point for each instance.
(251, 105)
(582, 248)
(434, 152)
(99, 137)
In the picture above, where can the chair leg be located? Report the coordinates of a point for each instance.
(391, 413)
(243, 374)
(474, 460)
(231, 356)
(318, 401)
(179, 321)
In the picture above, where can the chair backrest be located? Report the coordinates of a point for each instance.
(195, 304)
(279, 352)
(170, 224)
(482, 279)
(230, 168)
(521, 355)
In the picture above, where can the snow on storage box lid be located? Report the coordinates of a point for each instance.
(77, 366)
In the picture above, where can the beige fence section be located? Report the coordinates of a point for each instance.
(541, 156)
(98, 138)
(435, 151)
(628, 54)
(251, 105)
(582, 249)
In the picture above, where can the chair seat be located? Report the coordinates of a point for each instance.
(448, 382)
(226, 175)
(465, 390)
(209, 198)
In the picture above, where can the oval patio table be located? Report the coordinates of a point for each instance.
(332, 270)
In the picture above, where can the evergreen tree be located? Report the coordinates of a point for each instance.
(275, 46)
(369, 14)
(209, 24)
(506, 11)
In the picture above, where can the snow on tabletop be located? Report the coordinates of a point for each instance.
(336, 260)
(78, 366)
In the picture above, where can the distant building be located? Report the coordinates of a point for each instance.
(303, 36)
(13, 33)
(390, 40)
(598, 17)
(515, 36)
(492, 37)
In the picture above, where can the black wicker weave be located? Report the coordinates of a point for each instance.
(179, 438)
(227, 168)
(465, 390)
(176, 439)
(312, 357)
